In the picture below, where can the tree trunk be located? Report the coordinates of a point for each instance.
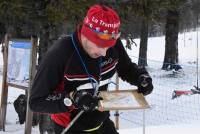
(142, 61)
(49, 33)
(43, 45)
(2, 32)
(171, 40)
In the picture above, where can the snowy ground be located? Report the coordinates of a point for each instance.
(181, 115)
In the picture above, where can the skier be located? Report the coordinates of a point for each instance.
(76, 67)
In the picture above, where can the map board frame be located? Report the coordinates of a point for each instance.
(122, 100)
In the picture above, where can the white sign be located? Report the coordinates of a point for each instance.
(18, 62)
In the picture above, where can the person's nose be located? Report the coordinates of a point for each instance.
(103, 51)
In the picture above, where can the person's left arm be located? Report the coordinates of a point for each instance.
(131, 72)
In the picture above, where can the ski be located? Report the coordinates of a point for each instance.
(178, 93)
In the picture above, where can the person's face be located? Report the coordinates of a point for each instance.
(92, 49)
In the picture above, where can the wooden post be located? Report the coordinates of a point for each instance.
(4, 93)
(117, 112)
(144, 123)
(32, 71)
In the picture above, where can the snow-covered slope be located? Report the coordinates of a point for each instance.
(166, 116)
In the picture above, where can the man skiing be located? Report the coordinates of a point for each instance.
(77, 67)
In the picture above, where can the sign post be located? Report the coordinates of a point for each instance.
(4, 93)
(32, 71)
(19, 66)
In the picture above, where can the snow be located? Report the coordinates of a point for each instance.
(181, 115)
(165, 129)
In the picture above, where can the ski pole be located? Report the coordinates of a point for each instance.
(96, 87)
(72, 122)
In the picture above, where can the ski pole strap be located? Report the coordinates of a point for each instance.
(93, 129)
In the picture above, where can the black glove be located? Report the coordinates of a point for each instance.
(145, 85)
(85, 100)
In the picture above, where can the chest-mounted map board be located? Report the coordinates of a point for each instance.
(122, 100)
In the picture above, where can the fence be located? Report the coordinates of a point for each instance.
(165, 110)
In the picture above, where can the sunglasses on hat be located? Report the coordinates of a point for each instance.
(105, 36)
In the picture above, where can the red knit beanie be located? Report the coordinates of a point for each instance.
(100, 21)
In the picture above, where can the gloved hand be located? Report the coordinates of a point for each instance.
(145, 85)
(85, 100)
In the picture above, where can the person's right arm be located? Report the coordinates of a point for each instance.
(49, 75)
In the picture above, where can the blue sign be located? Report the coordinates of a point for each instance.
(21, 44)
